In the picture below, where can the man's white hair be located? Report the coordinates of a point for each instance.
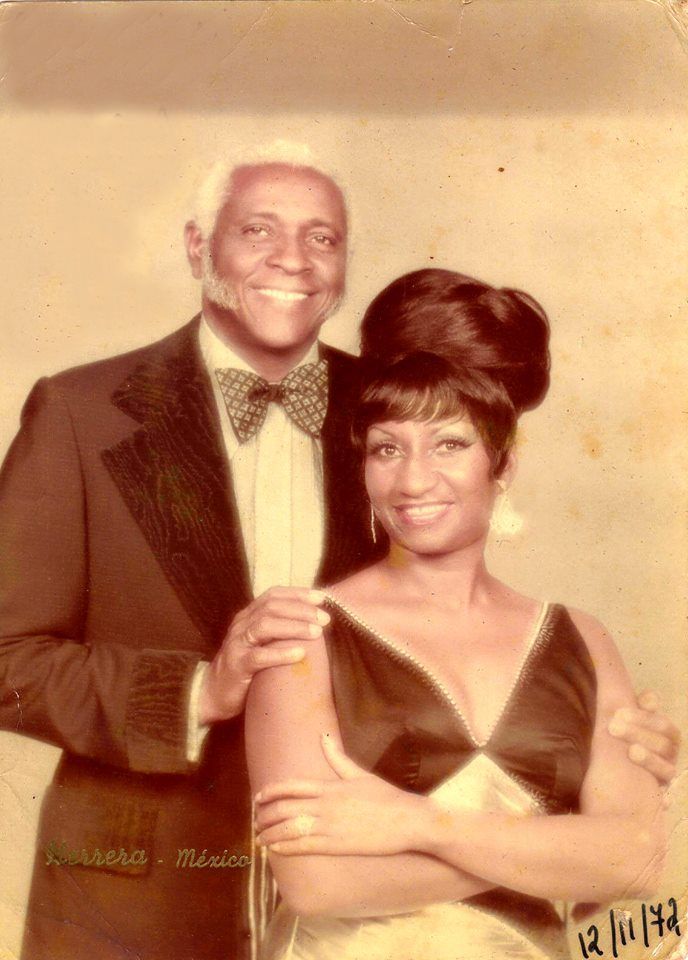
(216, 188)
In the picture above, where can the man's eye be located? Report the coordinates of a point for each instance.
(255, 231)
(323, 240)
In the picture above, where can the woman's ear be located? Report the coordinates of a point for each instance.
(506, 477)
(505, 522)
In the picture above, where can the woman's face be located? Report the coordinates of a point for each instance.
(430, 483)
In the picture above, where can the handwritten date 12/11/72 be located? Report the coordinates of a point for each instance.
(654, 922)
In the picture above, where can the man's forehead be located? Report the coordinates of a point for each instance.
(279, 186)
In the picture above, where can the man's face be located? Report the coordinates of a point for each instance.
(274, 269)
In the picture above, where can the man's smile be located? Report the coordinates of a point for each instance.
(286, 296)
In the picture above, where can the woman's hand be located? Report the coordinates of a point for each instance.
(358, 813)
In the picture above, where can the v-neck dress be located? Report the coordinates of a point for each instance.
(398, 720)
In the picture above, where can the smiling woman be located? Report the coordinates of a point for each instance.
(402, 462)
(473, 717)
(429, 480)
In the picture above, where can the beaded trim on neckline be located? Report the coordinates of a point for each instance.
(536, 637)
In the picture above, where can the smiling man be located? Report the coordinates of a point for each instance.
(146, 506)
(147, 500)
(275, 267)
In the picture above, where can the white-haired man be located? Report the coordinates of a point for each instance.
(145, 502)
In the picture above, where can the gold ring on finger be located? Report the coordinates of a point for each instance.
(303, 824)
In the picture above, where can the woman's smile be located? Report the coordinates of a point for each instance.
(430, 483)
(422, 514)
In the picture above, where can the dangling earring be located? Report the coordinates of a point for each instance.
(373, 531)
(505, 522)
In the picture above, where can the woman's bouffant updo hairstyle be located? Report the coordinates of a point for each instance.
(437, 344)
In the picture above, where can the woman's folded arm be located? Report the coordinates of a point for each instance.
(614, 848)
(289, 709)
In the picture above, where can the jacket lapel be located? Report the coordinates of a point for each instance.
(349, 543)
(173, 475)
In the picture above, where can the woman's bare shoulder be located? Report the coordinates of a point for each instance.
(590, 628)
(360, 587)
(596, 636)
(607, 660)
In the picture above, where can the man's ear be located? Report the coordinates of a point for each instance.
(195, 245)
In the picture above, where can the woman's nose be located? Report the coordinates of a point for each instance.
(416, 476)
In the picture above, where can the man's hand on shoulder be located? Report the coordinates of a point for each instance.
(255, 641)
(653, 738)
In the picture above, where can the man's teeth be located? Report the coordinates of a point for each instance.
(283, 294)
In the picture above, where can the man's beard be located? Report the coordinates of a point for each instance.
(218, 291)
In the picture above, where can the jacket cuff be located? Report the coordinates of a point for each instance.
(158, 711)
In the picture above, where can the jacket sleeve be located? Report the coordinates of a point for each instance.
(111, 702)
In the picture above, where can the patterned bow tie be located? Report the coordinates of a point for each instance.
(302, 393)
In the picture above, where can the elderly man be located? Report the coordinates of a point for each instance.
(146, 500)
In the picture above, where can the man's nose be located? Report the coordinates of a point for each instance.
(290, 255)
(416, 476)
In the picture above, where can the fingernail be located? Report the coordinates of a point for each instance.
(259, 797)
(275, 847)
(322, 617)
(296, 653)
(314, 630)
(649, 700)
(637, 753)
(616, 728)
(625, 714)
(316, 596)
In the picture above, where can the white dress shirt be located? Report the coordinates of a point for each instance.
(278, 484)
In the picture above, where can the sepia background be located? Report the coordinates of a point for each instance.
(534, 143)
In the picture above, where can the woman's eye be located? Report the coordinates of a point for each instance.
(384, 450)
(453, 444)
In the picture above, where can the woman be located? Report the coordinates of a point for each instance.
(473, 717)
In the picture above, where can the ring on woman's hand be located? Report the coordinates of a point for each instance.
(303, 824)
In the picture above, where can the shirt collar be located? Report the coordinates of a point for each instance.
(217, 354)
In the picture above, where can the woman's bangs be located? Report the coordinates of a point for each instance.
(433, 401)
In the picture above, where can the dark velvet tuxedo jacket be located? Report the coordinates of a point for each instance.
(121, 565)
